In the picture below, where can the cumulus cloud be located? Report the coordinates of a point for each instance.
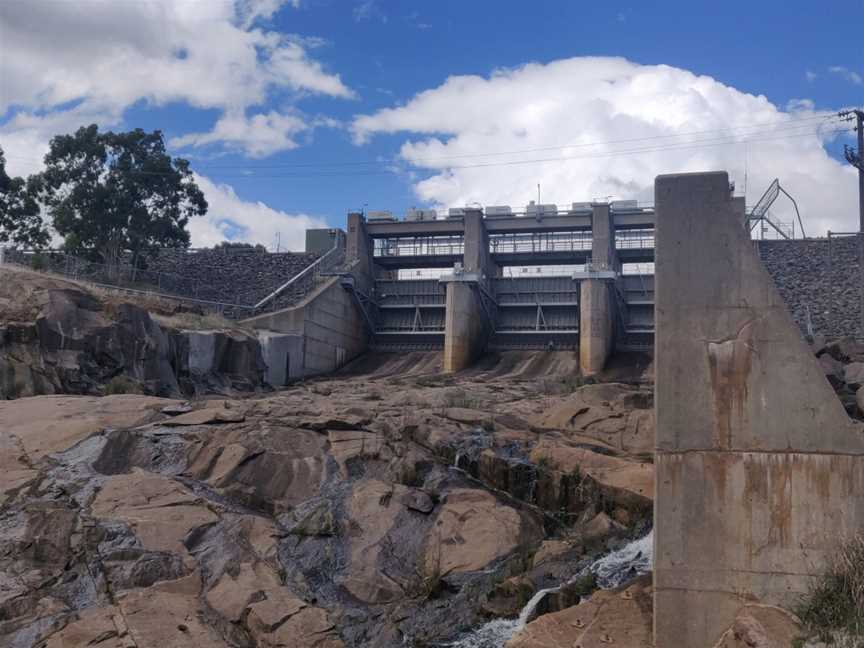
(213, 54)
(845, 73)
(230, 217)
(591, 127)
(258, 136)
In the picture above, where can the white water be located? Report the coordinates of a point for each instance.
(611, 571)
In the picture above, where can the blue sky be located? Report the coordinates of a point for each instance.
(350, 59)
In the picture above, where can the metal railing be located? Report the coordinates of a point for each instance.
(302, 283)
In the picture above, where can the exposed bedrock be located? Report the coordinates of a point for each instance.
(56, 338)
(327, 515)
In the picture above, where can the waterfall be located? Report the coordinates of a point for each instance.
(612, 570)
(618, 567)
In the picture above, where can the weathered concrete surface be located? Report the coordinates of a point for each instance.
(464, 329)
(596, 324)
(332, 328)
(759, 470)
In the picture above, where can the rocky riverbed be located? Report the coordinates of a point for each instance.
(387, 506)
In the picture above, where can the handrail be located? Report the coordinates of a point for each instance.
(311, 267)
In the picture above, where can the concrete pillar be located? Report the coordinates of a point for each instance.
(465, 330)
(476, 257)
(759, 469)
(359, 248)
(596, 308)
(595, 325)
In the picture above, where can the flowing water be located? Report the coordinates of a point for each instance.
(612, 570)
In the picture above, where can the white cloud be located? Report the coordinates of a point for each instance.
(213, 54)
(230, 217)
(623, 123)
(258, 136)
(810, 75)
(845, 73)
(368, 10)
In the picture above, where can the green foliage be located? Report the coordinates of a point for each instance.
(585, 584)
(122, 384)
(228, 246)
(835, 603)
(21, 222)
(110, 192)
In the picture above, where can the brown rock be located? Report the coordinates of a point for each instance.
(552, 549)
(600, 527)
(372, 509)
(160, 511)
(473, 529)
(618, 618)
(48, 424)
(628, 483)
(348, 444)
(761, 626)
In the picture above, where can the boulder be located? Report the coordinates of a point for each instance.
(619, 618)
(853, 374)
(761, 626)
(472, 529)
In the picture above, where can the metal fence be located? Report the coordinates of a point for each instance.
(194, 291)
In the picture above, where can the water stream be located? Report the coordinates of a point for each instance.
(612, 570)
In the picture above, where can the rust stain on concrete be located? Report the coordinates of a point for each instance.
(730, 363)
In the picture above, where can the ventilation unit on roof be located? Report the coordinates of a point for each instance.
(414, 214)
(581, 207)
(379, 217)
(498, 211)
(533, 209)
(623, 205)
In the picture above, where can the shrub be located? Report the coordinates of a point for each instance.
(122, 384)
(835, 602)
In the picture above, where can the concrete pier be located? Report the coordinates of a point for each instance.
(465, 330)
(759, 470)
(596, 306)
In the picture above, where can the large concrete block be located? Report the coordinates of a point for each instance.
(759, 469)
(283, 355)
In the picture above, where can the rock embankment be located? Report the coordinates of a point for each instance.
(820, 281)
(57, 337)
(329, 514)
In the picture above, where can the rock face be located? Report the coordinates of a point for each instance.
(59, 338)
(761, 626)
(329, 514)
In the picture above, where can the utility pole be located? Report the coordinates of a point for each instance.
(856, 159)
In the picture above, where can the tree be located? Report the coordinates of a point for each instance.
(110, 192)
(20, 217)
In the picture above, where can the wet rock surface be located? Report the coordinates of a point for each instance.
(370, 509)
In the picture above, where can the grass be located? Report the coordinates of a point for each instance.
(834, 606)
(122, 384)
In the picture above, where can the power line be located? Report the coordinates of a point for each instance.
(729, 140)
(794, 124)
(621, 153)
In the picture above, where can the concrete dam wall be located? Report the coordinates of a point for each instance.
(759, 470)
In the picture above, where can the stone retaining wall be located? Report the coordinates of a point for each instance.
(242, 277)
(821, 276)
